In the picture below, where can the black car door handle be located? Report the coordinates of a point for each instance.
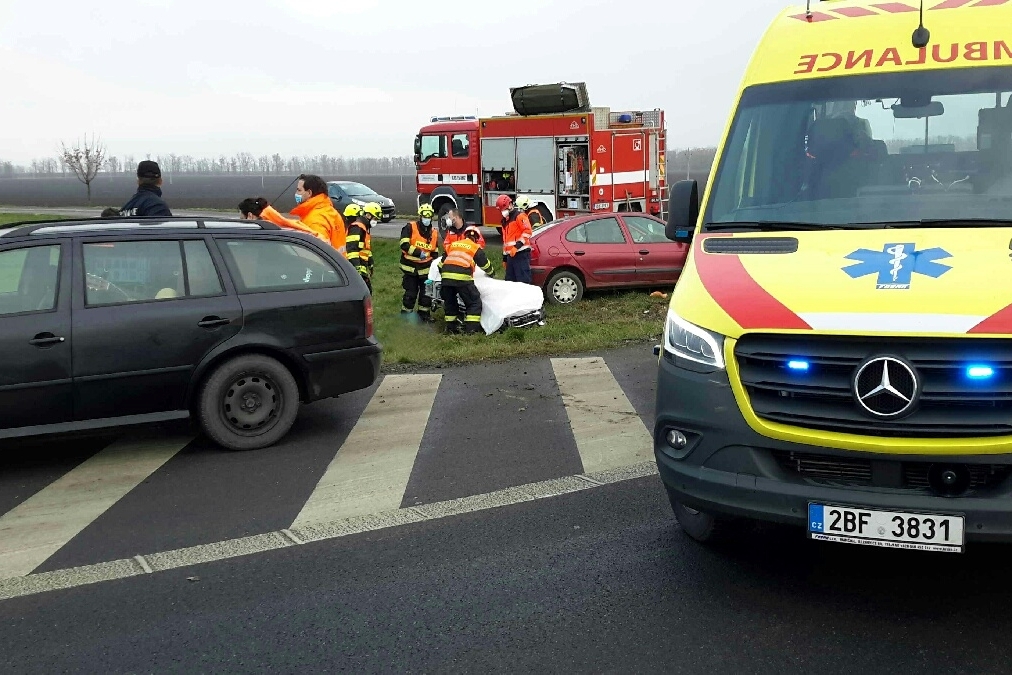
(579, 252)
(213, 322)
(644, 252)
(43, 339)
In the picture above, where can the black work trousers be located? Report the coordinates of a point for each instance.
(414, 293)
(468, 294)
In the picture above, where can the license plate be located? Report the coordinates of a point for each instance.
(888, 529)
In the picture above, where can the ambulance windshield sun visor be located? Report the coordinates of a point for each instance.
(869, 150)
(691, 342)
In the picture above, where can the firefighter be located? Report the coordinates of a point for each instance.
(516, 233)
(457, 281)
(359, 241)
(533, 214)
(455, 229)
(419, 248)
(351, 212)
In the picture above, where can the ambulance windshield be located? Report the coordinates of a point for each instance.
(871, 150)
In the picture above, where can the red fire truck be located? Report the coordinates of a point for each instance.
(566, 155)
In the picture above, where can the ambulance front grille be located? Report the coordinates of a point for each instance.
(856, 471)
(821, 398)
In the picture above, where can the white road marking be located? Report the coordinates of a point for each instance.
(41, 525)
(153, 563)
(371, 469)
(608, 431)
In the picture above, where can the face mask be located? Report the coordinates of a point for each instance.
(426, 221)
(298, 198)
(505, 213)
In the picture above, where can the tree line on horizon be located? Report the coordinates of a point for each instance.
(245, 163)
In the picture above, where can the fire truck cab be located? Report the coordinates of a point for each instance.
(555, 148)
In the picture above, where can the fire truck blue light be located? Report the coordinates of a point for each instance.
(797, 365)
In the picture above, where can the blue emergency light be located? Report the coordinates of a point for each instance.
(979, 372)
(798, 364)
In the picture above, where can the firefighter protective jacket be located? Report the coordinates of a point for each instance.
(359, 242)
(456, 235)
(419, 247)
(460, 259)
(516, 233)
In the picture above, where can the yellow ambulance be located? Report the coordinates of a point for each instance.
(837, 353)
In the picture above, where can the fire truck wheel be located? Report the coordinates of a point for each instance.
(545, 213)
(443, 210)
(564, 288)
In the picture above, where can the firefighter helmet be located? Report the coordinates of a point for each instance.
(504, 203)
(425, 211)
(523, 203)
(352, 210)
(373, 209)
(473, 234)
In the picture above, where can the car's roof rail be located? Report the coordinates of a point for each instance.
(122, 223)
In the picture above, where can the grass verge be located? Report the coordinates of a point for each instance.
(600, 320)
(7, 219)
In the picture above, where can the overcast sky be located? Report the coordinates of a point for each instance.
(349, 77)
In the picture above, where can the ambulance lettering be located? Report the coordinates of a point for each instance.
(869, 59)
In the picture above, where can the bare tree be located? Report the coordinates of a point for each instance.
(84, 159)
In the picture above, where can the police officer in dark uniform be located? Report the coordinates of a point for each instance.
(147, 201)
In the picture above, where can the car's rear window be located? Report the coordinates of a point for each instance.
(268, 264)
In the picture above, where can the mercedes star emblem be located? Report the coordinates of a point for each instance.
(886, 387)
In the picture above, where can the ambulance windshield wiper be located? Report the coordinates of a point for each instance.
(768, 226)
(951, 222)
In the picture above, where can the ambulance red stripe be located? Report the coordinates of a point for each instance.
(854, 12)
(998, 323)
(895, 7)
(731, 286)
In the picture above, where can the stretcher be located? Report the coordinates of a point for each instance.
(504, 304)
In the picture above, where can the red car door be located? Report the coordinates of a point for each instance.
(603, 252)
(658, 259)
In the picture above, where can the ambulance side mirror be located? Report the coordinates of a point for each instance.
(683, 211)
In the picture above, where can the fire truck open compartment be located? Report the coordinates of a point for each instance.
(573, 175)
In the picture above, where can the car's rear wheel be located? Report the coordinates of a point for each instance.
(701, 526)
(248, 402)
(564, 288)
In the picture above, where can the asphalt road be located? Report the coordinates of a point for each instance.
(542, 577)
(391, 230)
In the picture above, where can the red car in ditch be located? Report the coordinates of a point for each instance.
(607, 250)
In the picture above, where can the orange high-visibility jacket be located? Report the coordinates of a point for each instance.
(318, 217)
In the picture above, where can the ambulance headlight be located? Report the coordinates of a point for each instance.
(691, 342)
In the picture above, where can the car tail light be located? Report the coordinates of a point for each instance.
(368, 316)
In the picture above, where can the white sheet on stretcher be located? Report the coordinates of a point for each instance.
(500, 299)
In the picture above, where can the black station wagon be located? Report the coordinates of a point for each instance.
(114, 322)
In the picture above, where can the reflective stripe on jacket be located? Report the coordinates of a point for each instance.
(460, 259)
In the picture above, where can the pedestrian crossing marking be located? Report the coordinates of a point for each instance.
(368, 474)
(609, 433)
(371, 469)
(41, 525)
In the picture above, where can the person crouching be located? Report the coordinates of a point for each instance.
(456, 269)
